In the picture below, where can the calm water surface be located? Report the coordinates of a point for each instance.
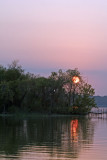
(53, 138)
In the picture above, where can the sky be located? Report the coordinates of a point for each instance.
(48, 35)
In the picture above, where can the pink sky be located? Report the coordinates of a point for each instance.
(46, 35)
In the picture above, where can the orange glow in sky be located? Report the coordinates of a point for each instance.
(49, 35)
(75, 79)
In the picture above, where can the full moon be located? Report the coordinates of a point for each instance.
(75, 79)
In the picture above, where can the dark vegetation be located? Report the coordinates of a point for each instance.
(26, 92)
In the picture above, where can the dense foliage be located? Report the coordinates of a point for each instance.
(25, 92)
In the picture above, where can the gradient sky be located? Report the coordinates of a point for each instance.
(46, 35)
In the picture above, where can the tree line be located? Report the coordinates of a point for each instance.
(57, 93)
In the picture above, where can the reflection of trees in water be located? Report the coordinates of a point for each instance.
(80, 133)
(60, 135)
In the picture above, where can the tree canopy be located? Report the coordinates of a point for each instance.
(26, 92)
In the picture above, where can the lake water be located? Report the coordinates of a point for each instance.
(53, 138)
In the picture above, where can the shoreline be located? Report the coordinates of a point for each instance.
(34, 115)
